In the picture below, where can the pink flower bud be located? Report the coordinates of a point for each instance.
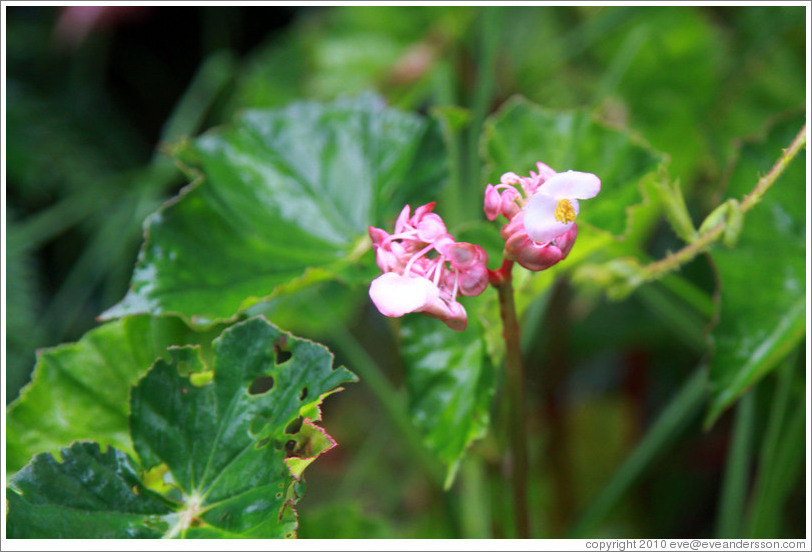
(493, 202)
(509, 207)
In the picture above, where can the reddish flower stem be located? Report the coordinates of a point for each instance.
(501, 279)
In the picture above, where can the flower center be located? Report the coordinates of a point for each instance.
(564, 212)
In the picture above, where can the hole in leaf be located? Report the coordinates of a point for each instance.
(280, 350)
(289, 536)
(261, 385)
(290, 447)
(278, 495)
(263, 443)
(282, 356)
(294, 426)
(303, 395)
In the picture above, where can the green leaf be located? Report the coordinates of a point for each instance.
(763, 299)
(81, 390)
(234, 444)
(233, 437)
(451, 385)
(89, 494)
(284, 201)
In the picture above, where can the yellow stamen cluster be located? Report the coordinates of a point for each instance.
(564, 211)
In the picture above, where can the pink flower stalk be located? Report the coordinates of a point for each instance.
(424, 268)
(541, 227)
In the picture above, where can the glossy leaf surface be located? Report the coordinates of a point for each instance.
(283, 201)
(81, 390)
(89, 494)
(231, 443)
(763, 287)
(230, 438)
(451, 385)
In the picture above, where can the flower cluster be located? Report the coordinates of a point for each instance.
(424, 268)
(541, 227)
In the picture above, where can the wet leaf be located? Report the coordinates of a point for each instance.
(283, 201)
(88, 494)
(763, 286)
(451, 385)
(233, 443)
(81, 390)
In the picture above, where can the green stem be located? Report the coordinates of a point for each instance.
(737, 471)
(678, 258)
(514, 376)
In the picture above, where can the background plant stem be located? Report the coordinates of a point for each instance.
(678, 258)
(514, 376)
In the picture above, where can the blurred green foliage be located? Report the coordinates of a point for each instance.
(703, 85)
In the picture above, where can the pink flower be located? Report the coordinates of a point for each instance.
(551, 211)
(541, 227)
(424, 268)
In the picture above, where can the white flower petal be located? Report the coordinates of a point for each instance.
(540, 221)
(396, 295)
(572, 185)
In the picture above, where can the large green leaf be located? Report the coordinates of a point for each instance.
(451, 385)
(231, 439)
(81, 390)
(763, 286)
(89, 494)
(284, 200)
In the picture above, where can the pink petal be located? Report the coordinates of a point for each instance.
(566, 241)
(545, 172)
(403, 218)
(396, 295)
(377, 235)
(430, 227)
(492, 202)
(452, 313)
(462, 255)
(474, 280)
(422, 210)
(509, 206)
(531, 255)
(540, 221)
(509, 178)
(572, 184)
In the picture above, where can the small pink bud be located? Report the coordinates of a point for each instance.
(493, 202)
